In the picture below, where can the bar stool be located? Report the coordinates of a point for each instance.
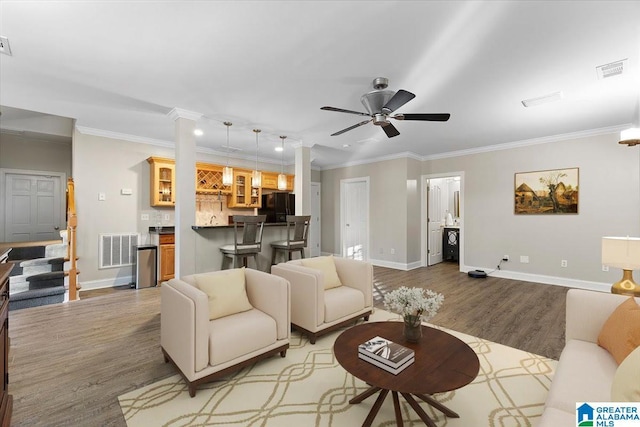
(297, 233)
(247, 239)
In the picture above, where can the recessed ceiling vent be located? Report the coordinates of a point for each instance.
(611, 69)
(4, 46)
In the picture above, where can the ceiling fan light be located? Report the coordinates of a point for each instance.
(630, 137)
(282, 182)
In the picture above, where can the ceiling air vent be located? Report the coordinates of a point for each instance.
(4, 46)
(611, 69)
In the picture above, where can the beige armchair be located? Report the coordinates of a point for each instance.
(204, 350)
(315, 310)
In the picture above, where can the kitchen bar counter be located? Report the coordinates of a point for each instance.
(206, 227)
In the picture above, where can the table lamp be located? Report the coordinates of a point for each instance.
(624, 253)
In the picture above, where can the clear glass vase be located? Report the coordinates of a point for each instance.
(412, 329)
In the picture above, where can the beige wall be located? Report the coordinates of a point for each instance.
(45, 153)
(609, 205)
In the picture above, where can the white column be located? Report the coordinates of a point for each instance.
(302, 185)
(185, 124)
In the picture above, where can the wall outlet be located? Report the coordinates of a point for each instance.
(167, 217)
(605, 268)
(563, 263)
(393, 251)
(144, 217)
(102, 196)
(524, 259)
(505, 257)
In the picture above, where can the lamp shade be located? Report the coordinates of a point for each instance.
(621, 252)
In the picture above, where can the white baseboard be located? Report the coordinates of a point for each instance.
(396, 265)
(107, 283)
(539, 278)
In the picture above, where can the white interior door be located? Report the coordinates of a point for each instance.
(354, 202)
(33, 207)
(434, 209)
(314, 229)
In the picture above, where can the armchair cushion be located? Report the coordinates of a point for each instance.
(620, 334)
(327, 265)
(233, 336)
(341, 302)
(226, 292)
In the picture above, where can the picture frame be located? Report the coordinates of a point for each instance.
(546, 192)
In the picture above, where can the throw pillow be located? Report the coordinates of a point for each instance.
(620, 334)
(626, 381)
(328, 267)
(226, 291)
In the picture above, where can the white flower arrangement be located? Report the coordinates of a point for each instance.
(414, 304)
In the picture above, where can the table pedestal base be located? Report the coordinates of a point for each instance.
(396, 406)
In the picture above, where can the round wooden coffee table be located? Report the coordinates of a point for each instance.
(442, 363)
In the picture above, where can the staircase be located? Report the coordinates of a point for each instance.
(38, 276)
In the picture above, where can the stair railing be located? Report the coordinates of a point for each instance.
(72, 223)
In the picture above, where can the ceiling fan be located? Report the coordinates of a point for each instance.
(380, 103)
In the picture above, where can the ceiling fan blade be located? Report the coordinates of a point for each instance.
(342, 110)
(398, 100)
(340, 132)
(429, 117)
(390, 130)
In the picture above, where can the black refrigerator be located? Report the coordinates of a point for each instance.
(277, 205)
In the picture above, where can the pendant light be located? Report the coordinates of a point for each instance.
(282, 178)
(256, 175)
(227, 172)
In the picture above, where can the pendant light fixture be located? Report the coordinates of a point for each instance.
(256, 175)
(227, 172)
(282, 178)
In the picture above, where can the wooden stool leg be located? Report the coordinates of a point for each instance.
(273, 256)
(302, 253)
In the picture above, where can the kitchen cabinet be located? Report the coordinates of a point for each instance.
(167, 256)
(451, 244)
(163, 182)
(6, 400)
(209, 179)
(242, 194)
(270, 181)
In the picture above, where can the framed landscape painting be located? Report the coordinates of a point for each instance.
(546, 192)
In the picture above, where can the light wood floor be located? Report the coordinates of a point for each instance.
(69, 362)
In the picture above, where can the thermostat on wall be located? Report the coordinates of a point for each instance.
(126, 191)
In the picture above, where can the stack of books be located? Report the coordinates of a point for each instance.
(385, 354)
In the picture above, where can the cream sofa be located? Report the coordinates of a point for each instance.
(585, 370)
(315, 310)
(203, 349)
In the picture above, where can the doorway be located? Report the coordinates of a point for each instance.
(314, 226)
(442, 195)
(354, 218)
(33, 205)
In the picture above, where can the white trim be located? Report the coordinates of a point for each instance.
(489, 148)
(539, 278)
(403, 155)
(396, 265)
(179, 113)
(107, 283)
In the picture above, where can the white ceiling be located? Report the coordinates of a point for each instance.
(122, 66)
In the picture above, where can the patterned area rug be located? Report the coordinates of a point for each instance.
(309, 388)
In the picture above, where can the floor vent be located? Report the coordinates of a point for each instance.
(117, 249)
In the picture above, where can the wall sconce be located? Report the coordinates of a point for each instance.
(624, 253)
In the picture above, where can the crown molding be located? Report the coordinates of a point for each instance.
(403, 155)
(179, 113)
(125, 137)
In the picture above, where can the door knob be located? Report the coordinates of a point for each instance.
(56, 228)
